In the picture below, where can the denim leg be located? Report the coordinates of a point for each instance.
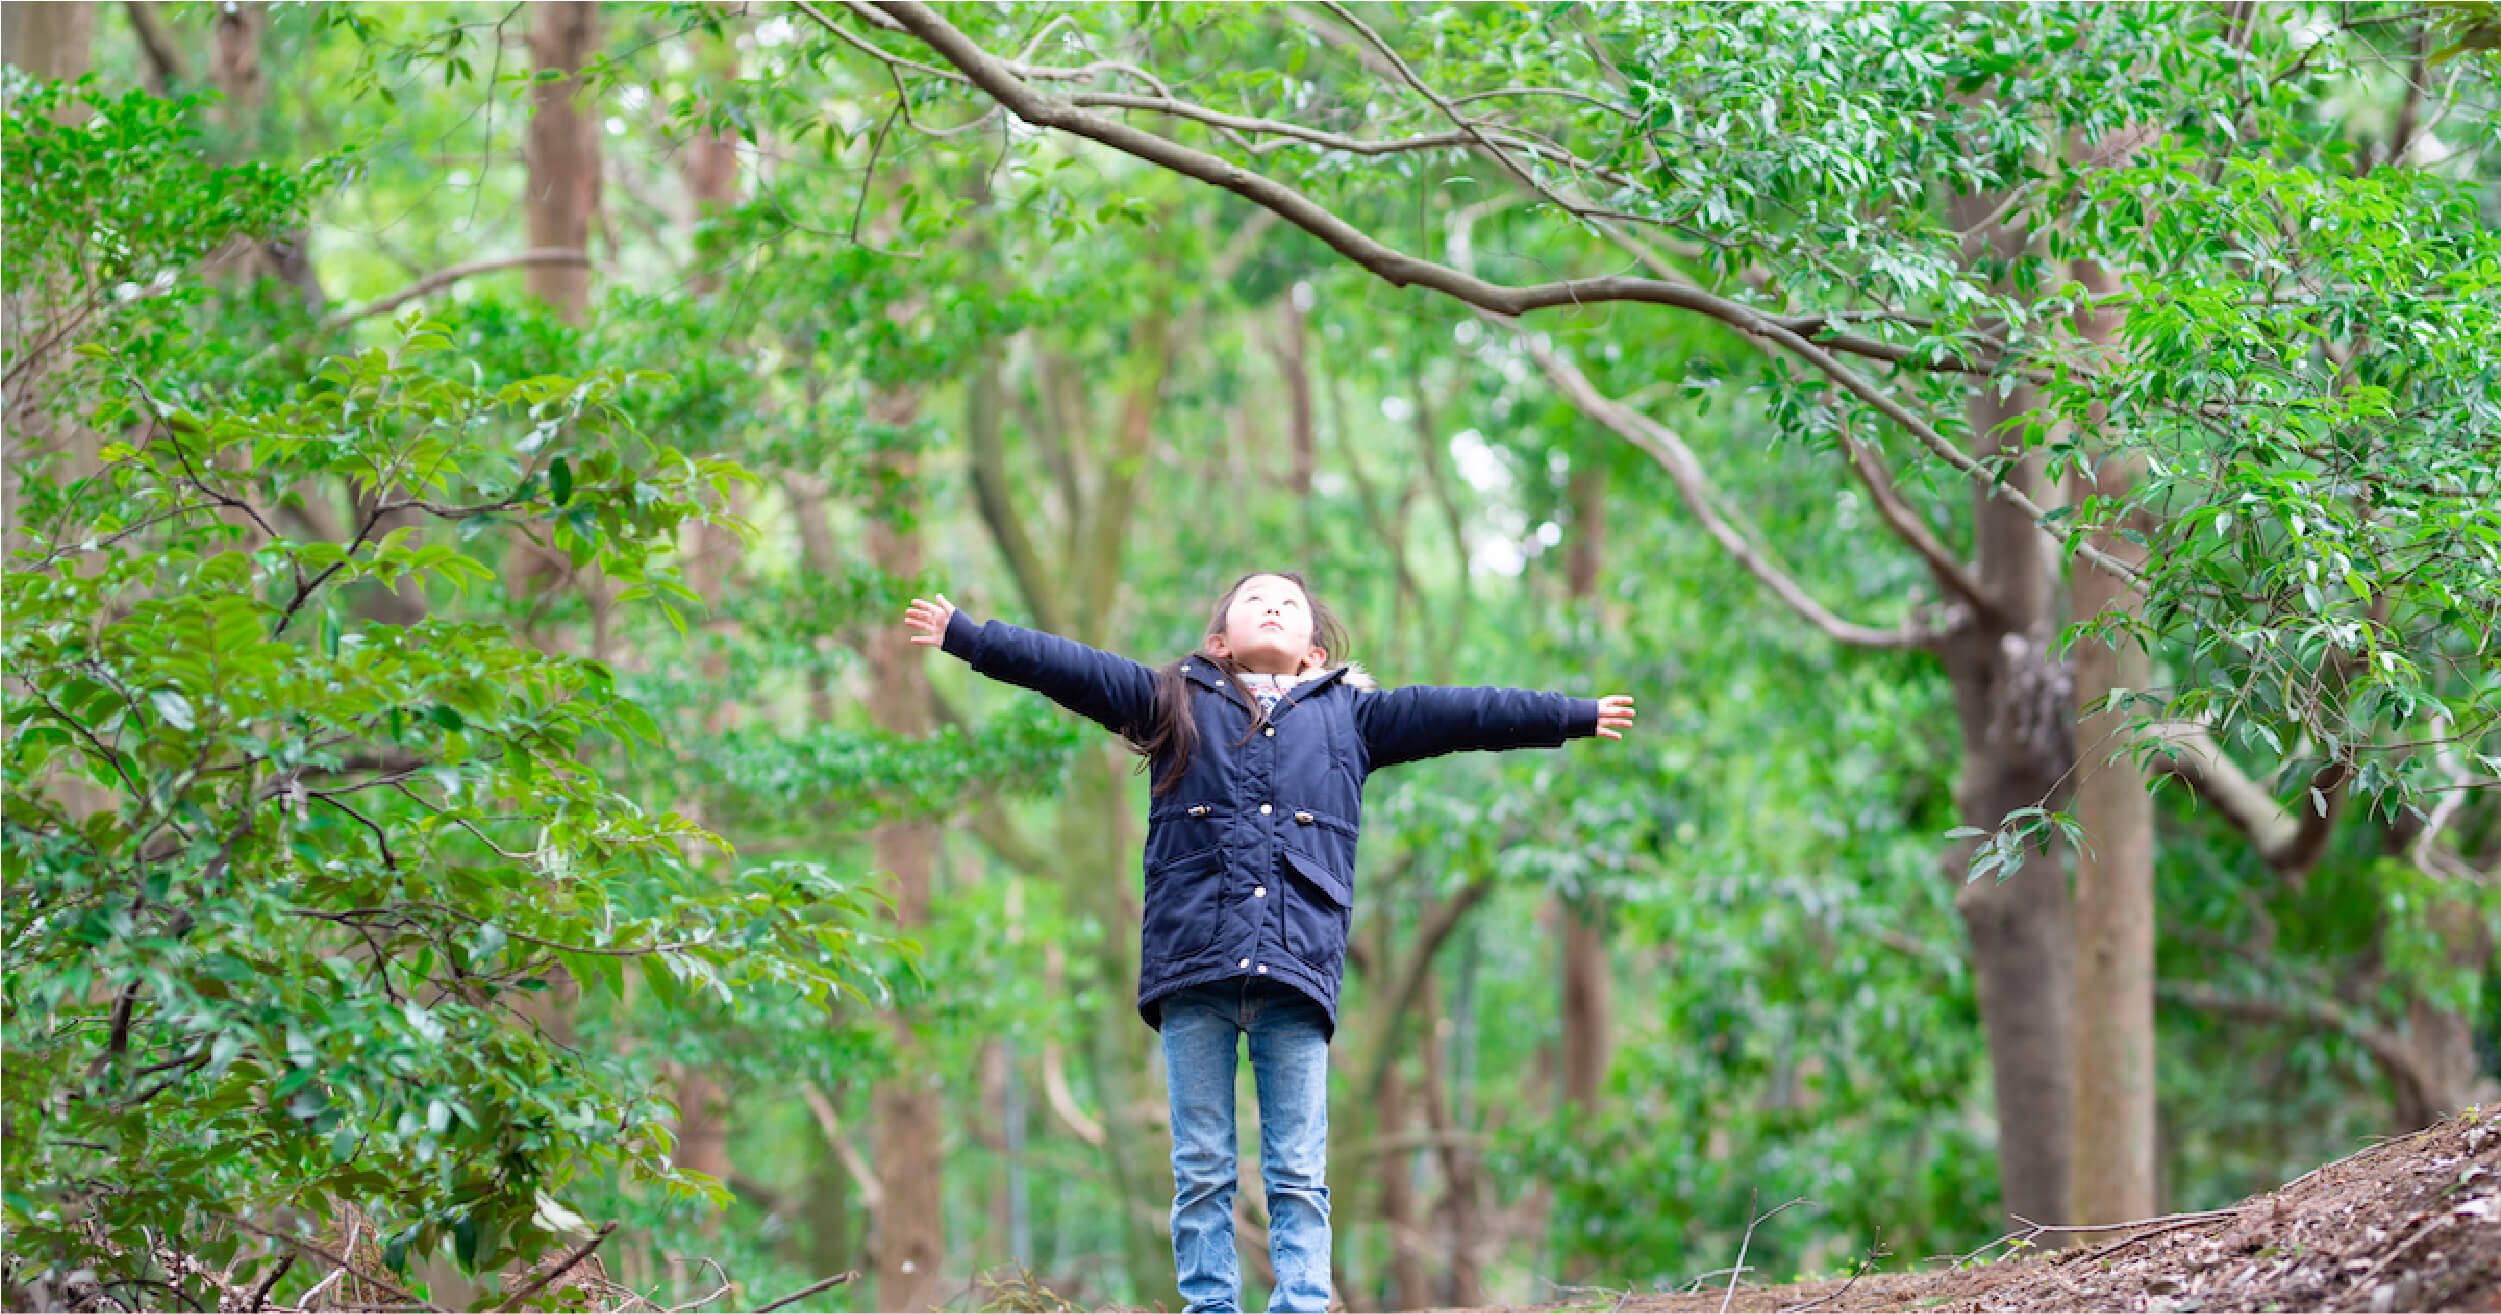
(1202, 1034)
(1289, 1051)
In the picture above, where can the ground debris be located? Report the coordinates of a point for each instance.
(2413, 1223)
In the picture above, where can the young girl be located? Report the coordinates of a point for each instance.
(1259, 750)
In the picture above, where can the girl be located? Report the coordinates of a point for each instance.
(1259, 749)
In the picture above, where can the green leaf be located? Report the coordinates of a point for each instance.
(560, 481)
(171, 705)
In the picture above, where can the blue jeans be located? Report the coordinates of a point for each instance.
(1203, 1027)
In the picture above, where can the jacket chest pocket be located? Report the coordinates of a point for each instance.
(1315, 913)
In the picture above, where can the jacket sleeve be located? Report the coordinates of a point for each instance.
(1420, 721)
(1103, 687)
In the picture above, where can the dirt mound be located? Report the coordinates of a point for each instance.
(2409, 1224)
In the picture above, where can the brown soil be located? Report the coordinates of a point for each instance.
(2409, 1224)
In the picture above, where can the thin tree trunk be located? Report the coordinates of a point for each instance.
(49, 39)
(1462, 1193)
(2113, 1156)
(52, 41)
(1407, 1284)
(712, 157)
(563, 148)
(2445, 1076)
(1585, 968)
(1294, 362)
(911, 1242)
(2014, 709)
(829, 1213)
(703, 1126)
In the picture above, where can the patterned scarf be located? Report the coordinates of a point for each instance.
(1269, 688)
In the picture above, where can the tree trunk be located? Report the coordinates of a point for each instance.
(911, 1239)
(1294, 362)
(52, 41)
(705, 1112)
(702, 1129)
(712, 157)
(2014, 710)
(1462, 1195)
(1407, 1285)
(1583, 963)
(2445, 1076)
(563, 147)
(2113, 1137)
(1585, 968)
(829, 1223)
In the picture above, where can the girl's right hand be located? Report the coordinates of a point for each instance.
(929, 620)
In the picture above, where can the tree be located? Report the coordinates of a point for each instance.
(1837, 280)
(281, 962)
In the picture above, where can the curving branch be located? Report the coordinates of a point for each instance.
(829, 1121)
(1669, 450)
(1906, 525)
(2314, 1011)
(2291, 842)
(1007, 84)
(443, 278)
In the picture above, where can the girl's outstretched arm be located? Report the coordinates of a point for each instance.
(1103, 687)
(1428, 720)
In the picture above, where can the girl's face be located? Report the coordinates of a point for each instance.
(1268, 628)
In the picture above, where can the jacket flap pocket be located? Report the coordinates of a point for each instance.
(1318, 874)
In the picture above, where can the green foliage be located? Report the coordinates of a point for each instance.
(287, 887)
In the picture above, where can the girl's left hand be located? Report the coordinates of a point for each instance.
(1615, 715)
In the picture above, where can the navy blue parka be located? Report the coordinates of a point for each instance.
(1250, 860)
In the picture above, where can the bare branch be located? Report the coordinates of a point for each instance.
(1464, 123)
(580, 1252)
(2290, 843)
(1003, 83)
(1665, 447)
(880, 21)
(443, 278)
(872, 1191)
(164, 64)
(383, 1285)
(1907, 526)
(836, 1280)
(1558, 92)
(2314, 1011)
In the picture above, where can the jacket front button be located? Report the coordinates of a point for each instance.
(1244, 963)
(1271, 732)
(1259, 891)
(1264, 809)
(1263, 969)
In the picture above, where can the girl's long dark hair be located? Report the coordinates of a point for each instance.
(1174, 735)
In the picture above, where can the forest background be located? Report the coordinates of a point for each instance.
(469, 797)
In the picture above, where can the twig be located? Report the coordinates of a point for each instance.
(872, 1192)
(2184, 1221)
(260, 1289)
(2375, 1145)
(836, 1280)
(1875, 1254)
(579, 1253)
(2037, 1229)
(341, 1265)
(442, 278)
(716, 1294)
(1746, 1242)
